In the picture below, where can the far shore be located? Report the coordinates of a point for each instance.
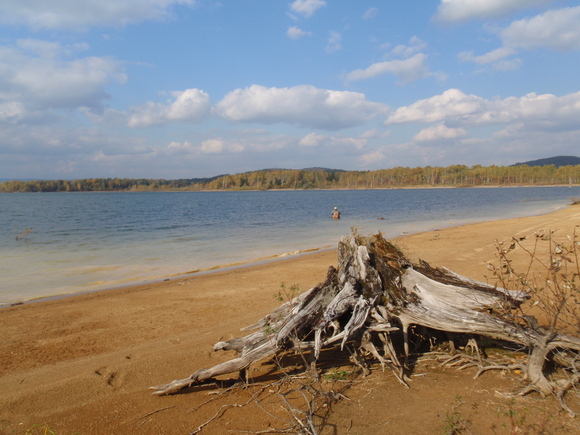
(84, 363)
(399, 187)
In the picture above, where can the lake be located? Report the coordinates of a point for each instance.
(81, 242)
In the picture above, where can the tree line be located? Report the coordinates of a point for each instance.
(450, 176)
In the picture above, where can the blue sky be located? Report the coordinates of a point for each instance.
(196, 88)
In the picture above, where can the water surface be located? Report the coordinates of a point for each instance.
(96, 240)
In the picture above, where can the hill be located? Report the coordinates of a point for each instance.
(556, 161)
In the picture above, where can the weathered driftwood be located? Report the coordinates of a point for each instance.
(376, 291)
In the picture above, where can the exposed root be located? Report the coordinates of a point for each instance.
(377, 294)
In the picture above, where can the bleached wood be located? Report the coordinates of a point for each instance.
(375, 289)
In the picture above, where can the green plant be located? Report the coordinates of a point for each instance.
(269, 329)
(287, 294)
(455, 422)
(337, 375)
(42, 429)
(515, 421)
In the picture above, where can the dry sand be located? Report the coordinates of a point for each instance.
(83, 364)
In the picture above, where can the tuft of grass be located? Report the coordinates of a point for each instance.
(286, 294)
(337, 375)
(516, 420)
(43, 429)
(456, 423)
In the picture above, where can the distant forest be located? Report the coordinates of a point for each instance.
(320, 178)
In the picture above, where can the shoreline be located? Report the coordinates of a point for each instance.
(84, 363)
(179, 276)
(132, 282)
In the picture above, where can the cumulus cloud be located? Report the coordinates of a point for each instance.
(80, 15)
(455, 107)
(458, 11)
(307, 7)
(439, 132)
(557, 29)
(318, 140)
(408, 70)
(35, 76)
(451, 104)
(191, 105)
(296, 32)
(303, 105)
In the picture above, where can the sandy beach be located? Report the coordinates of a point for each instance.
(84, 364)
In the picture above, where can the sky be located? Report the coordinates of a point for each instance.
(196, 88)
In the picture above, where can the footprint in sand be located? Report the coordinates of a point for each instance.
(111, 377)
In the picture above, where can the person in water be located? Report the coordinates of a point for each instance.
(335, 213)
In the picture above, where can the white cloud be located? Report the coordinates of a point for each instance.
(411, 65)
(213, 146)
(451, 104)
(34, 77)
(455, 107)
(80, 15)
(318, 140)
(249, 141)
(374, 133)
(42, 143)
(457, 11)
(507, 65)
(408, 70)
(371, 13)
(191, 105)
(42, 48)
(370, 159)
(415, 45)
(492, 56)
(439, 132)
(307, 7)
(304, 105)
(557, 29)
(296, 32)
(11, 112)
(184, 147)
(333, 44)
(312, 140)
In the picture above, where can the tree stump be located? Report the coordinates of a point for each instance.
(375, 294)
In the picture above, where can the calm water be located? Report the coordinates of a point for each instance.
(89, 241)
